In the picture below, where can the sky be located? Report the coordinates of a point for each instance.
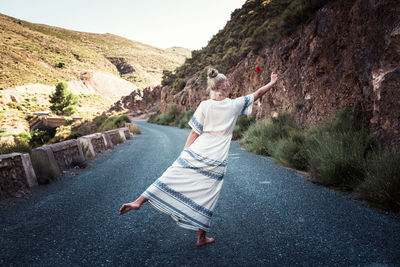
(161, 23)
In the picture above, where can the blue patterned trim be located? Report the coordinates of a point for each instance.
(185, 200)
(187, 217)
(210, 174)
(197, 125)
(246, 104)
(205, 160)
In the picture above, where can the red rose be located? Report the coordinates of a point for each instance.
(258, 69)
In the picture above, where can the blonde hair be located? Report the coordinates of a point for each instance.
(214, 80)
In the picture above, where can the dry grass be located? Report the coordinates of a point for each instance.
(134, 129)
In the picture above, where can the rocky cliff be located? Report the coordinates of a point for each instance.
(347, 54)
(139, 102)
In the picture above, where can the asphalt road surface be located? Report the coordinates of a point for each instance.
(266, 216)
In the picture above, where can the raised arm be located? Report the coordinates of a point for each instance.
(191, 138)
(262, 90)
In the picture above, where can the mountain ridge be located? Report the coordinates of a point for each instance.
(39, 53)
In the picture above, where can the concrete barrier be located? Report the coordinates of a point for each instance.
(64, 153)
(45, 165)
(49, 161)
(93, 144)
(16, 173)
(116, 136)
(128, 134)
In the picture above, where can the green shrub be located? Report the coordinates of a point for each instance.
(183, 119)
(14, 105)
(41, 135)
(24, 137)
(154, 117)
(261, 136)
(135, 129)
(167, 78)
(291, 151)
(114, 122)
(381, 187)
(338, 158)
(100, 119)
(60, 65)
(167, 118)
(63, 100)
(69, 110)
(80, 130)
(17, 146)
(178, 85)
(242, 124)
(69, 121)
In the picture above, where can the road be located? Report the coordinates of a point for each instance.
(266, 216)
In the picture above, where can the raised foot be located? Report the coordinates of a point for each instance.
(128, 206)
(205, 241)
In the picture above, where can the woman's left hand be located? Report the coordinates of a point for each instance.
(274, 77)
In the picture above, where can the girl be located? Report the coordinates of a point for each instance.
(189, 189)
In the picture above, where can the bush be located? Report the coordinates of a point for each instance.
(100, 119)
(338, 158)
(291, 151)
(69, 110)
(260, 137)
(242, 124)
(63, 100)
(14, 105)
(183, 119)
(60, 65)
(135, 129)
(167, 118)
(8, 148)
(178, 85)
(114, 122)
(339, 152)
(381, 187)
(62, 133)
(154, 117)
(167, 78)
(42, 135)
(337, 149)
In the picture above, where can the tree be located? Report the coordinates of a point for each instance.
(62, 100)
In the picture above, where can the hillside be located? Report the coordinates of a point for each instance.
(99, 68)
(36, 53)
(329, 55)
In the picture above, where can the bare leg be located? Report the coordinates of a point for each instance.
(202, 239)
(132, 205)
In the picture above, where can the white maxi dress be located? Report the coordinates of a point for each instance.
(189, 189)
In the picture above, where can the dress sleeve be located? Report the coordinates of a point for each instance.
(244, 104)
(197, 120)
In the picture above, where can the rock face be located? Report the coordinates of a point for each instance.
(122, 65)
(348, 54)
(139, 101)
(107, 85)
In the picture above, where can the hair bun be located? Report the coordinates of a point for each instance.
(212, 73)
